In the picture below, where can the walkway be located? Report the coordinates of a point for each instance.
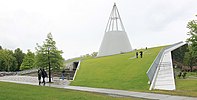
(64, 84)
(34, 81)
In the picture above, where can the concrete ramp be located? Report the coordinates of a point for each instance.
(164, 75)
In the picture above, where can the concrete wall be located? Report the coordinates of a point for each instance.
(114, 42)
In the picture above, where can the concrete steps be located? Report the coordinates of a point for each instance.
(164, 79)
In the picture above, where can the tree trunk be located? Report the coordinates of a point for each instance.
(191, 68)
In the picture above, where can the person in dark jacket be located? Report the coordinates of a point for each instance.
(136, 54)
(63, 74)
(39, 75)
(141, 54)
(44, 74)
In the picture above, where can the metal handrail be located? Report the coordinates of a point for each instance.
(151, 71)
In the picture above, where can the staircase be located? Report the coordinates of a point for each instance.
(161, 74)
(165, 76)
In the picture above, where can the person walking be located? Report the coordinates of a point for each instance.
(184, 74)
(141, 54)
(63, 74)
(136, 54)
(44, 74)
(180, 74)
(39, 75)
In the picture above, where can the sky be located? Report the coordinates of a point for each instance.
(78, 26)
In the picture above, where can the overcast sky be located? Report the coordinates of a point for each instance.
(78, 25)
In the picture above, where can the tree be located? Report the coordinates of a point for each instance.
(192, 41)
(94, 54)
(19, 55)
(7, 60)
(179, 53)
(1, 48)
(28, 61)
(2, 62)
(189, 59)
(48, 56)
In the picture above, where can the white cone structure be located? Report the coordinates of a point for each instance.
(115, 40)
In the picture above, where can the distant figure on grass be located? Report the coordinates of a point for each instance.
(39, 75)
(136, 54)
(141, 54)
(44, 74)
(184, 74)
(179, 75)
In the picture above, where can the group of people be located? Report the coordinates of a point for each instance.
(42, 73)
(141, 54)
(182, 73)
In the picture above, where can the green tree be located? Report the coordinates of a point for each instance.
(7, 60)
(19, 55)
(94, 54)
(1, 48)
(189, 59)
(192, 41)
(48, 55)
(28, 61)
(179, 53)
(2, 62)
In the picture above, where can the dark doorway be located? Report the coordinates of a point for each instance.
(71, 71)
(75, 65)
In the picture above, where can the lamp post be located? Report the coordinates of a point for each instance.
(49, 63)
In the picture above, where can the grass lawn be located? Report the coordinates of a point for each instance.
(188, 86)
(117, 71)
(13, 91)
(120, 72)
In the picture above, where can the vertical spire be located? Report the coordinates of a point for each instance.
(114, 22)
(115, 40)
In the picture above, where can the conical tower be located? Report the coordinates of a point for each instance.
(115, 40)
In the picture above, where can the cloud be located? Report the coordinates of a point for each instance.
(78, 25)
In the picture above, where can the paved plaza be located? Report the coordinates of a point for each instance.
(56, 82)
(111, 92)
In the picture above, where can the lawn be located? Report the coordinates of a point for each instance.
(188, 86)
(13, 91)
(122, 71)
